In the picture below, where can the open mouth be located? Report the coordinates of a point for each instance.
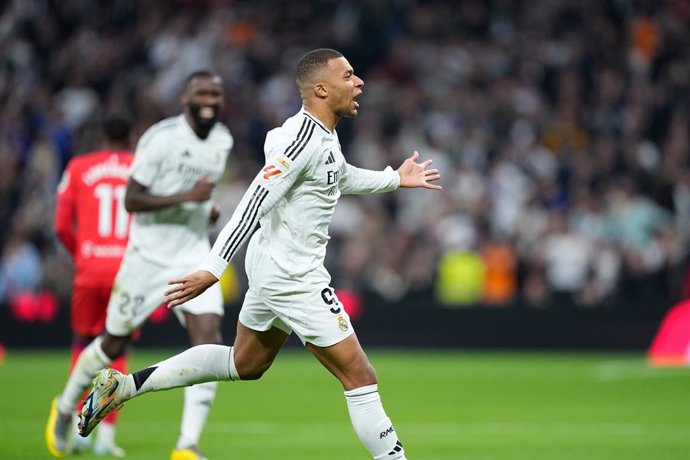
(207, 112)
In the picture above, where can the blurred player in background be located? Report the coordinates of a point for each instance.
(176, 166)
(92, 223)
(293, 197)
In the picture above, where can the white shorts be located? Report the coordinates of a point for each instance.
(308, 306)
(138, 291)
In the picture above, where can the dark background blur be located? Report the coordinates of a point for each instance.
(561, 128)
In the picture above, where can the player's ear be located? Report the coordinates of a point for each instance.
(320, 90)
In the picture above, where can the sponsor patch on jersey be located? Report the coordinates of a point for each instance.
(342, 324)
(283, 161)
(270, 171)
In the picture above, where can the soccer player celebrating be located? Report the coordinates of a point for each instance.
(176, 165)
(293, 198)
(92, 223)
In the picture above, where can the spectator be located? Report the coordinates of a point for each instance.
(535, 112)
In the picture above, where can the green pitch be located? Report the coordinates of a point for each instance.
(445, 405)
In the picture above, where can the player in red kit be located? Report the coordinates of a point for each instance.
(92, 223)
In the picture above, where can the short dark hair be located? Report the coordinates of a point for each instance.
(199, 74)
(117, 127)
(314, 61)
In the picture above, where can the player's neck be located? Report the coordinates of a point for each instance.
(324, 115)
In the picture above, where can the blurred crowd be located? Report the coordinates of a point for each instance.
(561, 129)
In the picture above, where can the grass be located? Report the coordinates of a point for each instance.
(445, 406)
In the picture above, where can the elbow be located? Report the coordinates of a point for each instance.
(133, 200)
(130, 203)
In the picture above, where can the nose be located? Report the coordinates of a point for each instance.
(358, 81)
(209, 98)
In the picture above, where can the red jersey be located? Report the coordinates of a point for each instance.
(90, 219)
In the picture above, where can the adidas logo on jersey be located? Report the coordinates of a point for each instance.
(331, 159)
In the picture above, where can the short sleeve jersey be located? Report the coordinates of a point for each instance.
(90, 200)
(294, 197)
(170, 158)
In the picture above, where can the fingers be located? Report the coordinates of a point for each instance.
(179, 288)
(178, 295)
(415, 156)
(172, 291)
(432, 186)
(177, 301)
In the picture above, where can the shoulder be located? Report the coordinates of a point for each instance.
(122, 157)
(222, 129)
(82, 161)
(221, 133)
(300, 135)
(159, 131)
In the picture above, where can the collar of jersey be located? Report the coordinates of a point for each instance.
(316, 120)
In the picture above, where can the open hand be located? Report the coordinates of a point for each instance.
(188, 287)
(413, 174)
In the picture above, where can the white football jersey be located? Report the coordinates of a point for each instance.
(293, 198)
(170, 158)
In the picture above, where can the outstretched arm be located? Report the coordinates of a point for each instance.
(413, 174)
(358, 181)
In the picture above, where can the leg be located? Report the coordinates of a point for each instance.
(248, 359)
(90, 353)
(202, 329)
(256, 351)
(105, 443)
(92, 358)
(79, 343)
(97, 355)
(347, 361)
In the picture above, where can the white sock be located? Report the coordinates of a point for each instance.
(106, 434)
(197, 405)
(203, 363)
(91, 360)
(372, 425)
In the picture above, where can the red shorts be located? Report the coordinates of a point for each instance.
(89, 308)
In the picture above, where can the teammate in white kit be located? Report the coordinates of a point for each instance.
(176, 164)
(292, 198)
